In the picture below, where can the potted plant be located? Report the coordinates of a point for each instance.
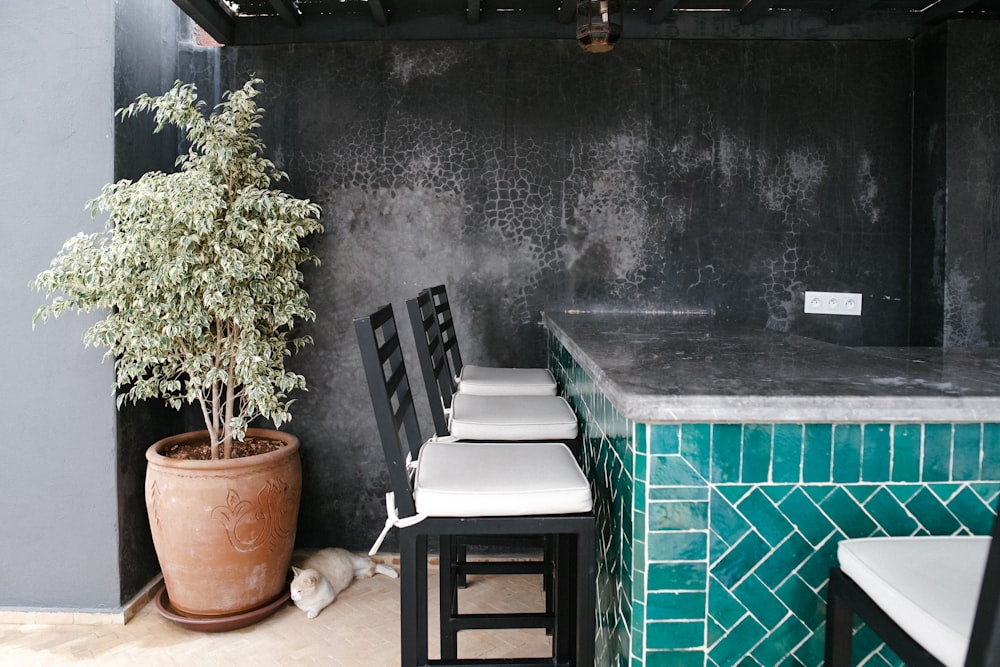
(197, 274)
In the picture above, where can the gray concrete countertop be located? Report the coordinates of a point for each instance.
(667, 368)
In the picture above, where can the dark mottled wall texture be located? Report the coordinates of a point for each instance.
(972, 229)
(726, 176)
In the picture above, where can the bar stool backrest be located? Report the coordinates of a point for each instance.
(392, 400)
(431, 353)
(449, 339)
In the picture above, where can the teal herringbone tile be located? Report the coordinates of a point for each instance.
(932, 514)
(737, 642)
(890, 514)
(727, 521)
(723, 605)
(758, 599)
(781, 641)
(766, 518)
(741, 559)
(806, 516)
(847, 514)
(972, 511)
(785, 560)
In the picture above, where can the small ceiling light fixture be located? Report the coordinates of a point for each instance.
(598, 24)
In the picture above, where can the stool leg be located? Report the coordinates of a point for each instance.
(448, 597)
(462, 558)
(839, 626)
(561, 596)
(410, 611)
(586, 595)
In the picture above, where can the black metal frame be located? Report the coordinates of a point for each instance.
(845, 598)
(426, 313)
(572, 617)
(430, 317)
(438, 297)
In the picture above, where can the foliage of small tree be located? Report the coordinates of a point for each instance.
(197, 270)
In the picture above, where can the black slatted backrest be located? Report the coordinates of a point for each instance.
(392, 399)
(449, 339)
(430, 352)
(984, 644)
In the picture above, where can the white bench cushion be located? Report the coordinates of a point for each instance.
(512, 418)
(928, 585)
(488, 381)
(499, 479)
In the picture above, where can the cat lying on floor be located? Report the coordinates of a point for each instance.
(321, 576)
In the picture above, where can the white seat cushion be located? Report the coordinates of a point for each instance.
(928, 585)
(512, 418)
(499, 479)
(488, 381)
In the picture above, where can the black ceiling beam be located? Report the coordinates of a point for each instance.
(212, 19)
(753, 10)
(287, 11)
(472, 12)
(849, 10)
(358, 26)
(943, 9)
(379, 14)
(661, 10)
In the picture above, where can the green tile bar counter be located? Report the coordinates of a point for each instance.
(728, 463)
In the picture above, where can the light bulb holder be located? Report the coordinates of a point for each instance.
(598, 24)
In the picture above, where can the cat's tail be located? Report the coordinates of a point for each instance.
(386, 570)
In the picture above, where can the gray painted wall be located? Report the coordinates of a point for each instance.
(59, 515)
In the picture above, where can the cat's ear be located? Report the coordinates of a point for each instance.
(296, 571)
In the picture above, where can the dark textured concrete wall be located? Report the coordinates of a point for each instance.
(972, 287)
(929, 188)
(722, 176)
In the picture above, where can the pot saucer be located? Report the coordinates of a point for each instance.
(218, 623)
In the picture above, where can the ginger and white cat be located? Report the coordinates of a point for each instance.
(321, 576)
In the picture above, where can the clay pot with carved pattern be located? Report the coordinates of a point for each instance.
(224, 530)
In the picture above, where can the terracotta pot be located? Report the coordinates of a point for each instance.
(224, 530)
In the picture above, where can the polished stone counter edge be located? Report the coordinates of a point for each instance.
(779, 409)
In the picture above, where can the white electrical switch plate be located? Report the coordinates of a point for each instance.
(833, 303)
